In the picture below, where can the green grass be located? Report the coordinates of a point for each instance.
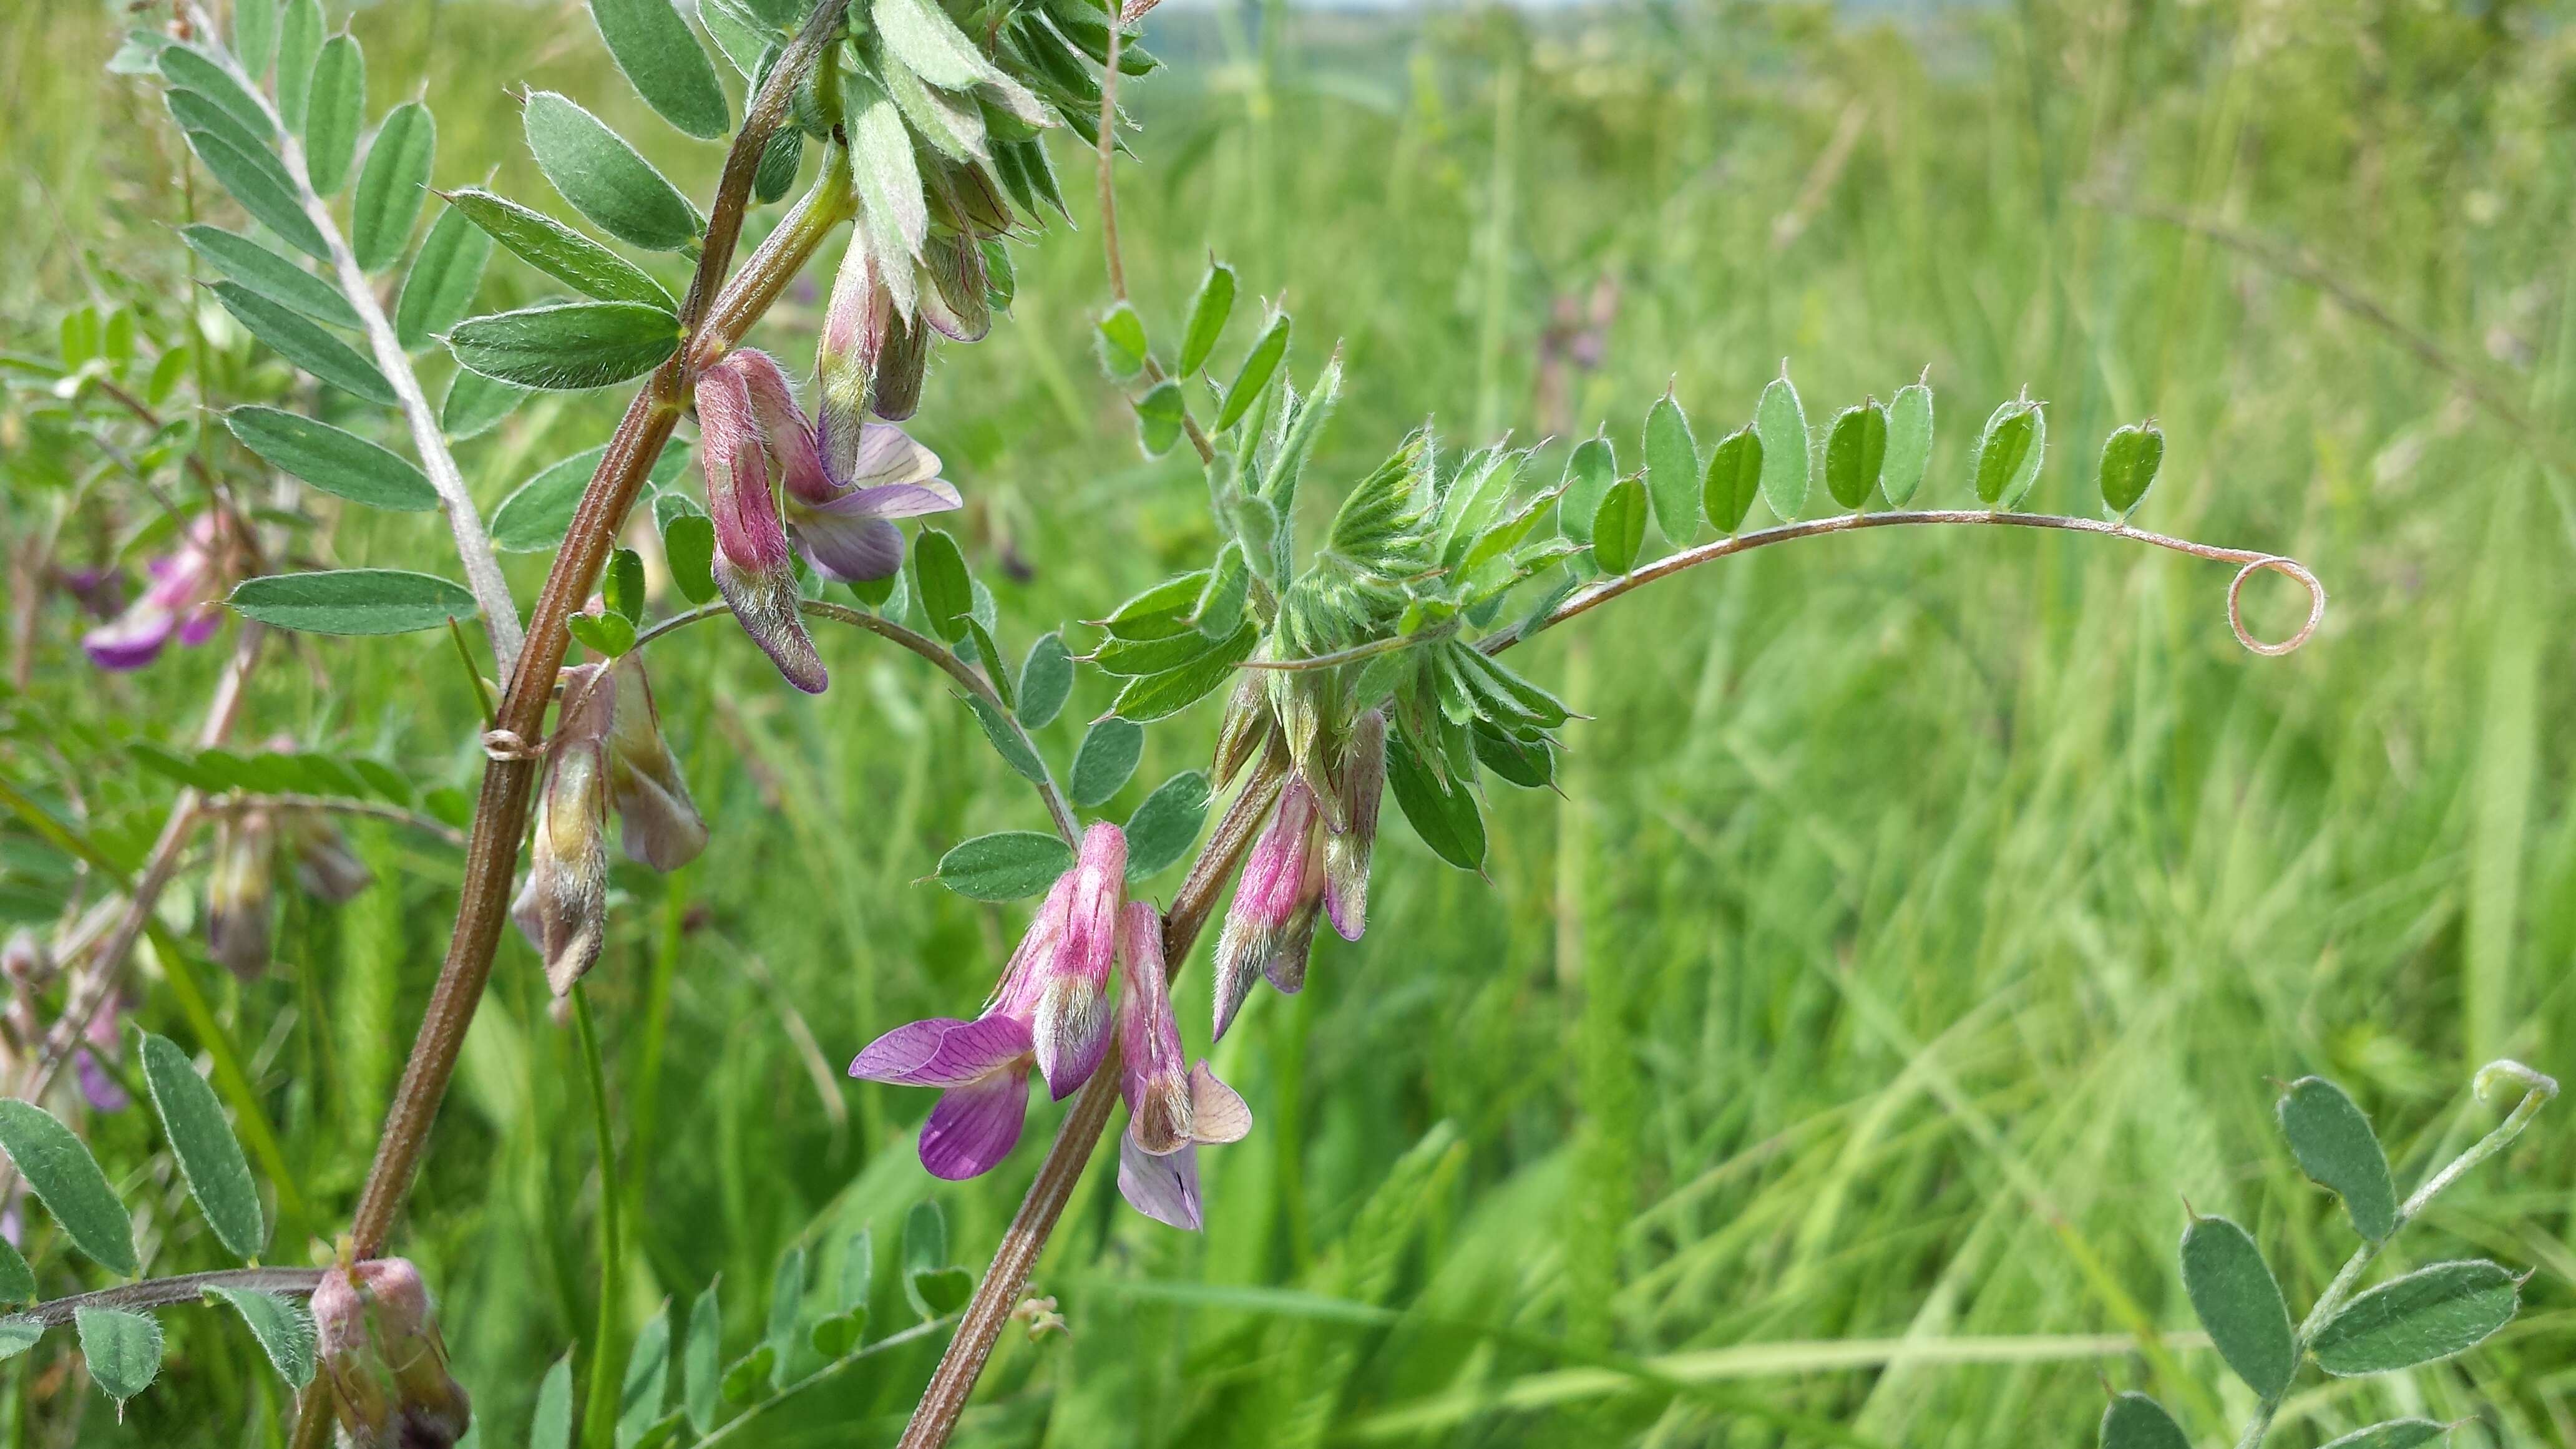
(1924, 914)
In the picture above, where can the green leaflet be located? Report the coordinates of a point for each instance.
(2395, 1434)
(1672, 472)
(256, 179)
(569, 346)
(551, 1426)
(336, 113)
(939, 575)
(67, 1180)
(392, 186)
(1444, 814)
(1105, 761)
(1619, 526)
(1160, 696)
(1589, 472)
(2233, 1292)
(123, 1350)
(663, 60)
(475, 404)
(2134, 1421)
(187, 68)
(277, 278)
(1122, 341)
(2335, 1146)
(560, 252)
(334, 461)
(1734, 479)
(283, 1327)
(1855, 451)
(299, 45)
(786, 1299)
(2429, 1314)
(439, 289)
(353, 601)
(1164, 828)
(1008, 865)
(1208, 313)
(1909, 444)
(2009, 452)
(299, 340)
(254, 35)
(1046, 681)
(702, 1362)
(17, 1280)
(1258, 366)
(604, 178)
(211, 1160)
(2130, 458)
(1781, 423)
(647, 1381)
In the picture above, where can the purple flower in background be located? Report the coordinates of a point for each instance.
(97, 1085)
(839, 508)
(186, 599)
(241, 892)
(1172, 1110)
(1050, 1013)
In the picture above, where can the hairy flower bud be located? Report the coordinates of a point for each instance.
(383, 1359)
(753, 567)
(1347, 850)
(1246, 731)
(657, 821)
(900, 370)
(856, 324)
(952, 294)
(240, 896)
(563, 907)
(1271, 924)
(1070, 1028)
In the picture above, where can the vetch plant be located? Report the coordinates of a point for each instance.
(2415, 1318)
(1354, 661)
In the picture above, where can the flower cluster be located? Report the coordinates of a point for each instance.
(843, 485)
(185, 599)
(383, 1359)
(1050, 1013)
(1312, 856)
(607, 752)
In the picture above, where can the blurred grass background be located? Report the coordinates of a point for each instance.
(1921, 916)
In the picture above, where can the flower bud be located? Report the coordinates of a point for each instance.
(657, 821)
(753, 567)
(900, 370)
(952, 297)
(1245, 732)
(239, 894)
(563, 907)
(1271, 923)
(324, 865)
(1346, 851)
(1169, 1106)
(384, 1360)
(846, 353)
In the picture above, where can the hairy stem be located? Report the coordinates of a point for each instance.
(185, 1288)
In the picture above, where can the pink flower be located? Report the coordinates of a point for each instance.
(1171, 1110)
(383, 1357)
(1049, 1012)
(1304, 863)
(186, 599)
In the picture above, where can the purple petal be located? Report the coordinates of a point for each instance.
(888, 454)
(102, 1091)
(200, 624)
(975, 1125)
(897, 500)
(1217, 1112)
(849, 549)
(942, 1052)
(133, 640)
(1165, 1189)
(768, 608)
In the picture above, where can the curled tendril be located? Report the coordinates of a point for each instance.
(2292, 569)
